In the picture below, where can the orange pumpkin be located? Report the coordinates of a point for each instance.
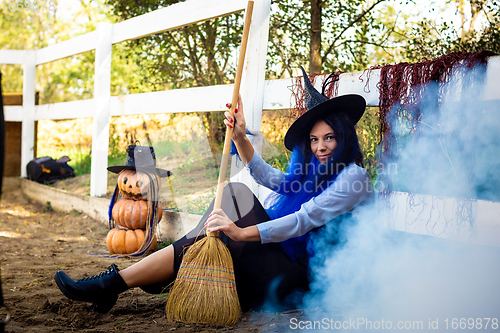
(132, 214)
(121, 241)
(134, 185)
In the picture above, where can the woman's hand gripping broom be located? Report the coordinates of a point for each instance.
(205, 290)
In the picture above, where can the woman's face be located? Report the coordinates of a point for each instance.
(323, 141)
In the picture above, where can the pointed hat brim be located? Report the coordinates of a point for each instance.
(161, 172)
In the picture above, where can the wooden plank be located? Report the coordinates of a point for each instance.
(362, 83)
(252, 85)
(66, 110)
(492, 85)
(207, 99)
(12, 99)
(277, 96)
(437, 217)
(100, 124)
(13, 113)
(13, 137)
(254, 75)
(70, 47)
(12, 57)
(173, 17)
(278, 93)
(28, 114)
(199, 99)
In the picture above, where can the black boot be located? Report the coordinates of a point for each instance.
(101, 290)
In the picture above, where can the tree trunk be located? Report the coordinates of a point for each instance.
(215, 129)
(214, 121)
(315, 63)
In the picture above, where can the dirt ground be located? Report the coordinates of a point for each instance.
(35, 242)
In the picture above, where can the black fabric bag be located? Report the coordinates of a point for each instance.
(46, 170)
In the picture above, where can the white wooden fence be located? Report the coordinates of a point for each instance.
(102, 106)
(257, 93)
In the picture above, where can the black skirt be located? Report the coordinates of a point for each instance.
(264, 274)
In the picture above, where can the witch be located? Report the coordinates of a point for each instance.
(271, 247)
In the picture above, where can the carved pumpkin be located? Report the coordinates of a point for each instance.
(134, 185)
(132, 214)
(121, 241)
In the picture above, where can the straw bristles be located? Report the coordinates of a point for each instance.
(205, 289)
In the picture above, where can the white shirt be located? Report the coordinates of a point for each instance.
(351, 187)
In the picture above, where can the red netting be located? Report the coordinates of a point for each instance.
(396, 83)
(402, 88)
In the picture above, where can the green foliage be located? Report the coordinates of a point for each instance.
(161, 245)
(187, 165)
(368, 129)
(351, 33)
(429, 38)
(70, 78)
(196, 55)
(47, 207)
(115, 152)
(200, 204)
(81, 165)
(76, 213)
(279, 161)
(22, 30)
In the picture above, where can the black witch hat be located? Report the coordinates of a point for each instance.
(140, 158)
(318, 106)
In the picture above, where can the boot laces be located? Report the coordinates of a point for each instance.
(110, 270)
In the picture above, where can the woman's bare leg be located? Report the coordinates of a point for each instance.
(157, 267)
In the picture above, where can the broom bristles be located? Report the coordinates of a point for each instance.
(204, 291)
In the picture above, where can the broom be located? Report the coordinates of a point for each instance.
(204, 291)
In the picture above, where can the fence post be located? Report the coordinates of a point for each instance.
(28, 124)
(100, 122)
(252, 84)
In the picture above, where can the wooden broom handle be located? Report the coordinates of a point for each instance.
(234, 102)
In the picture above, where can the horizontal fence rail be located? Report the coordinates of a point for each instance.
(174, 17)
(277, 96)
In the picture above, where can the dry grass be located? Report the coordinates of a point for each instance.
(181, 146)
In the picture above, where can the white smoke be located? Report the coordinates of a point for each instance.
(377, 275)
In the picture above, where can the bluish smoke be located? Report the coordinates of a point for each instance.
(430, 252)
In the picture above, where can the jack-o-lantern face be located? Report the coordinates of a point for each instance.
(134, 185)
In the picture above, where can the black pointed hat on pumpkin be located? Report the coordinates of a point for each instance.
(319, 106)
(140, 158)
